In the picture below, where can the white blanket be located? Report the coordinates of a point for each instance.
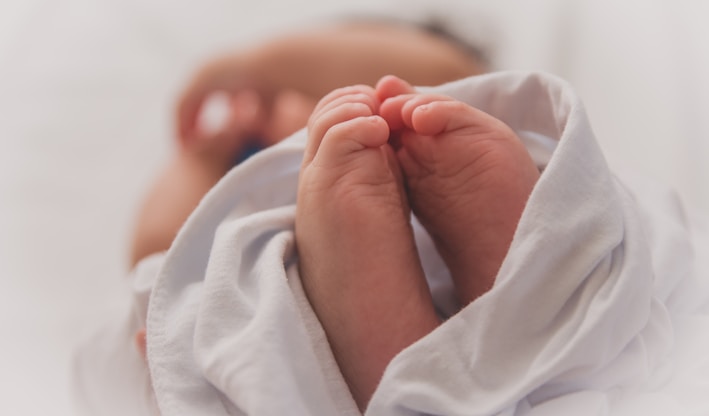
(600, 307)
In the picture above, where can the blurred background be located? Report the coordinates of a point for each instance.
(87, 90)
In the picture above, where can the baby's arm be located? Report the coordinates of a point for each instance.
(318, 61)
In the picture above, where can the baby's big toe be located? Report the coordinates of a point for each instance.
(335, 116)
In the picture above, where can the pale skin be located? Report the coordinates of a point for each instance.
(351, 204)
(468, 178)
(464, 173)
(273, 89)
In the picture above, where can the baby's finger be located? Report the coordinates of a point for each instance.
(191, 103)
(225, 121)
(216, 77)
(208, 79)
(188, 109)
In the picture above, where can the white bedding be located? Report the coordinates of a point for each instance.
(86, 92)
(601, 304)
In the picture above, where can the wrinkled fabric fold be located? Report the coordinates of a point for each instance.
(572, 304)
(580, 319)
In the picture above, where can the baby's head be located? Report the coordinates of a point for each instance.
(420, 54)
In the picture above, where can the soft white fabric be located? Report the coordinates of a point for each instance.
(600, 307)
(110, 377)
(87, 90)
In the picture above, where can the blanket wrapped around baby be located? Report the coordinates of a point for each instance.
(601, 305)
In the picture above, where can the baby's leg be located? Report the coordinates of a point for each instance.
(358, 260)
(468, 177)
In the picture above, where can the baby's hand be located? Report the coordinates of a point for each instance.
(247, 101)
(251, 113)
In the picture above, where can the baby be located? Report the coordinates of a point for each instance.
(272, 92)
(272, 89)
(231, 305)
(373, 156)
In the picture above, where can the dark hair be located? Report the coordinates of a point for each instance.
(431, 24)
(437, 27)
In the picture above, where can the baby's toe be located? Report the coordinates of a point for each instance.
(338, 107)
(342, 141)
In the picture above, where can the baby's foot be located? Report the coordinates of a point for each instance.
(468, 178)
(358, 260)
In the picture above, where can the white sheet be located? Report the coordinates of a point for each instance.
(87, 88)
(600, 307)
